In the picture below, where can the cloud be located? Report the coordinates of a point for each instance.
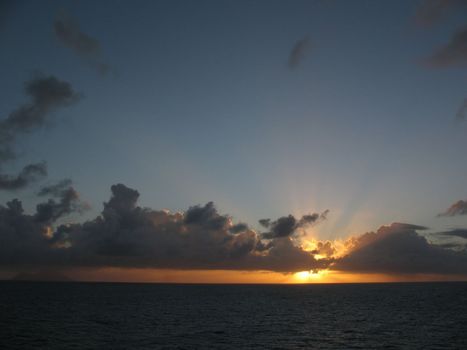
(288, 225)
(458, 208)
(85, 46)
(30, 173)
(68, 202)
(454, 53)
(458, 232)
(126, 235)
(431, 11)
(462, 111)
(298, 52)
(47, 94)
(399, 249)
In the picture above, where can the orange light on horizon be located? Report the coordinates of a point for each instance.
(145, 275)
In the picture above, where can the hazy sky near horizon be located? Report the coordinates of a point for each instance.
(266, 108)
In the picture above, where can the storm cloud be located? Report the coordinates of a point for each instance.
(47, 94)
(85, 46)
(299, 52)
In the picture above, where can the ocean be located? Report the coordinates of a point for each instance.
(47, 315)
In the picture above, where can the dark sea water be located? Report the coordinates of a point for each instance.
(152, 316)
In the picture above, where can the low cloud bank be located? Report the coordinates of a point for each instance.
(127, 235)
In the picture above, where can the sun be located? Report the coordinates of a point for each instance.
(308, 276)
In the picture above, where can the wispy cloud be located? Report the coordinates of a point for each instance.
(85, 46)
(47, 94)
(299, 52)
(454, 53)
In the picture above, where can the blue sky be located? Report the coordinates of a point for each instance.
(201, 106)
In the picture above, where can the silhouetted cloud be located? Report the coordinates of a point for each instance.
(68, 202)
(127, 235)
(399, 249)
(298, 52)
(287, 225)
(454, 53)
(47, 93)
(458, 232)
(325, 249)
(458, 208)
(432, 11)
(82, 44)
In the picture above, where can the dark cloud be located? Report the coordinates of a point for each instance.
(287, 225)
(127, 235)
(458, 208)
(88, 48)
(325, 249)
(55, 189)
(206, 216)
(458, 232)
(65, 201)
(399, 249)
(30, 173)
(240, 227)
(298, 52)
(454, 53)
(47, 93)
(432, 11)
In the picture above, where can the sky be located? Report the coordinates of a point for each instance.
(145, 140)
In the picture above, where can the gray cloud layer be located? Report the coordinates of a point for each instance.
(85, 46)
(126, 235)
(47, 93)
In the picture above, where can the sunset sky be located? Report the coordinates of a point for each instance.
(234, 141)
